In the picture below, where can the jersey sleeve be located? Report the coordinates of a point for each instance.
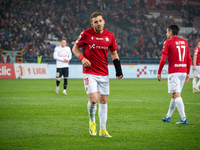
(165, 49)
(69, 57)
(162, 63)
(113, 45)
(81, 40)
(196, 51)
(188, 60)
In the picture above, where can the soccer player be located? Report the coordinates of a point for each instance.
(62, 54)
(196, 67)
(179, 61)
(96, 42)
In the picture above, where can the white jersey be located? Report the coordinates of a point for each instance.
(61, 53)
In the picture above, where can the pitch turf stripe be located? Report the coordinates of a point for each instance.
(116, 100)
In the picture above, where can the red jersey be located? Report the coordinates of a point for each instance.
(178, 53)
(197, 52)
(95, 49)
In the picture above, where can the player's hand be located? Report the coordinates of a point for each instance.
(159, 77)
(187, 78)
(67, 61)
(119, 77)
(86, 62)
(194, 67)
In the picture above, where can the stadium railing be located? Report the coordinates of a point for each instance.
(124, 60)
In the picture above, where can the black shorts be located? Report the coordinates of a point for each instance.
(62, 71)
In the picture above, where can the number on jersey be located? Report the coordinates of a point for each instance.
(181, 55)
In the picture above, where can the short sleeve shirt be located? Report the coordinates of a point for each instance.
(178, 53)
(197, 52)
(95, 49)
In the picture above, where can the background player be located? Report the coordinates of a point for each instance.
(62, 54)
(179, 61)
(96, 42)
(12, 58)
(4, 57)
(196, 67)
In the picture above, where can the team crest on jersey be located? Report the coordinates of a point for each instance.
(92, 37)
(107, 39)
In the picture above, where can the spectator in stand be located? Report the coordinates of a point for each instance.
(141, 41)
(142, 53)
(6, 46)
(190, 24)
(19, 23)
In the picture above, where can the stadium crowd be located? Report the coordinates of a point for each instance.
(30, 26)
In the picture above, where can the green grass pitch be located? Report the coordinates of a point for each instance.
(33, 116)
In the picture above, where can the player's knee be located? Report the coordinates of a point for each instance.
(58, 79)
(176, 95)
(93, 98)
(103, 99)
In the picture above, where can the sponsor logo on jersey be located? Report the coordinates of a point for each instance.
(98, 47)
(92, 46)
(101, 47)
(180, 65)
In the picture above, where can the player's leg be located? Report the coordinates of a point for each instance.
(194, 82)
(198, 84)
(172, 104)
(171, 109)
(92, 108)
(91, 89)
(58, 76)
(179, 81)
(103, 113)
(197, 74)
(65, 74)
(103, 89)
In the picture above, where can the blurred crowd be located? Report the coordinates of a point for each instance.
(29, 26)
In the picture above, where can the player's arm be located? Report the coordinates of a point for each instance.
(17, 59)
(117, 64)
(78, 54)
(2, 59)
(161, 65)
(70, 55)
(188, 66)
(194, 61)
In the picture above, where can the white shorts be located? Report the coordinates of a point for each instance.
(94, 83)
(176, 82)
(196, 72)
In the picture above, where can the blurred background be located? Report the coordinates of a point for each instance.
(31, 28)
